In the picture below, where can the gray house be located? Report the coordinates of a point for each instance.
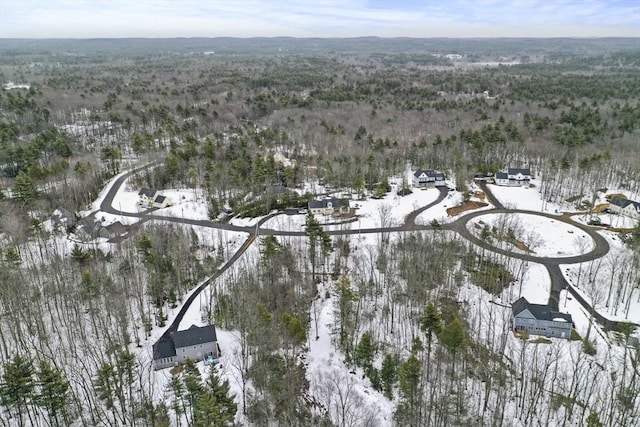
(195, 343)
(539, 319)
(428, 178)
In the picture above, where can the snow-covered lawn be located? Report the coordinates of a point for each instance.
(545, 237)
(535, 285)
(187, 203)
(523, 198)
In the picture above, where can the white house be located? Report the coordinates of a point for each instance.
(428, 178)
(332, 206)
(146, 196)
(625, 207)
(196, 343)
(153, 199)
(514, 177)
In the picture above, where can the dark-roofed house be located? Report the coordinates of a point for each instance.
(514, 177)
(539, 319)
(332, 206)
(91, 229)
(146, 196)
(625, 207)
(196, 343)
(428, 178)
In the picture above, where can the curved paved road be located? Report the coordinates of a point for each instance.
(459, 226)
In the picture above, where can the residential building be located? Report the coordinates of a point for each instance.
(428, 178)
(62, 217)
(196, 343)
(146, 196)
(153, 199)
(514, 177)
(333, 206)
(625, 207)
(539, 319)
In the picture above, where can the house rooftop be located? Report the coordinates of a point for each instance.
(516, 171)
(428, 172)
(539, 311)
(146, 192)
(623, 203)
(335, 203)
(194, 335)
(160, 199)
(164, 348)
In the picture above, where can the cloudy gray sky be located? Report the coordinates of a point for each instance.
(319, 18)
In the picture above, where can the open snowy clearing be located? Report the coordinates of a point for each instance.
(523, 198)
(544, 237)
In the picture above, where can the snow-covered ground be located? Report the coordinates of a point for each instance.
(615, 221)
(187, 203)
(545, 237)
(609, 281)
(523, 198)
(331, 379)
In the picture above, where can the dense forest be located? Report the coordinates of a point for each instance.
(235, 119)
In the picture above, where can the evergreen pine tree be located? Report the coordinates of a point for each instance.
(453, 338)
(409, 386)
(53, 394)
(593, 420)
(24, 189)
(17, 387)
(215, 407)
(388, 375)
(364, 352)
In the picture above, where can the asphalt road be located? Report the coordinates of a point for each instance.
(558, 281)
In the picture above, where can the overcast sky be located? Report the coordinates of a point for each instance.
(318, 18)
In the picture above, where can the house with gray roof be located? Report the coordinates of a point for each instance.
(539, 319)
(153, 199)
(428, 178)
(514, 177)
(625, 207)
(196, 343)
(146, 196)
(332, 206)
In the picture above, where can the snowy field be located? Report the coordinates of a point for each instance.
(523, 198)
(187, 203)
(534, 285)
(545, 237)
